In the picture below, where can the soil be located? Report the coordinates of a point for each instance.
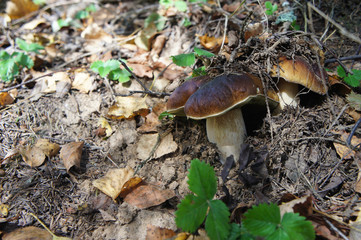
(292, 152)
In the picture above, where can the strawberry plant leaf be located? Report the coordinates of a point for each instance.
(296, 227)
(4, 55)
(341, 72)
(201, 71)
(202, 179)
(23, 60)
(235, 232)
(180, 6)
(201, 52)
(8, 70)
(262, 220)
(355, 79)
(120, 75)
(28, 47)
(184, 60)
(217, 223)
(191, 213)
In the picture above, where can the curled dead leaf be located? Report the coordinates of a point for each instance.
(128, 108)
(49, 149)
(342, 150)
(71, 154)
(33, 156)
(19, 8)
(212, 44)
(5, 99)
(28, 233)
(158, 233)
(113, 181)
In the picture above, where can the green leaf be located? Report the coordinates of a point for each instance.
(202, 179)
(191, 213)
(201, 52)
(157, 19)
(8, 70)
(262, 220)
(81, 14)
(166, 3)
(184, 60)
(180, 5)
(186, 22)
(60, 23)
(91, 8)
(23, 60)
(165, 114)
(121, 75)
(39, 2)
(235, 232)
(104, 68)
(268, 5)
(199, 71)
(28, 47)
(354, 100)
(355, 79)
(217, 223)
(4, 55)
(340, 71)
(296, 227)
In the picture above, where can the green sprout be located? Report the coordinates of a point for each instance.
(351, 79)
(270, 8)
(111, 69)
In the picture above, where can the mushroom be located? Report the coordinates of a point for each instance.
(294, 72)
(179, 97)
(219, 102)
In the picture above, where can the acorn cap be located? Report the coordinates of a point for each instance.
(224, 93)
(179, 97)
(299, 71)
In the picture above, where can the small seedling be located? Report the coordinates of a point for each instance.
(188, 59)
(86, 12)
(354, 80)
(10, 65)
(165, 114)
(263, 220)
(270, 8)
(111, 69)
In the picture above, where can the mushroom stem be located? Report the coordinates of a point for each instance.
(287, 94)
(228, 132)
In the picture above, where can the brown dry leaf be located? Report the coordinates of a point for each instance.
(151, 123)
(302, 205)
(128, 107)
(253, 30)
(71, 154)
(103, 123)
(28, 233)
(355, 233)
(49, 149)
(141, 70)
(83, 82)
(337, 85)
(182, 236)
(158, 233)
(113, 181)
(129, 186)
(33, 156)
(47, 84)
(353, 113)
(342, 150)
(149, 195)
(147, 142)
(144, 37)
(212, 44)
(20, 8)
(31, 25)
(96, 38)
(5, 99)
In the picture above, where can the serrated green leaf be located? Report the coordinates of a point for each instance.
(184, 60)
(120, 75)
(8, 69)
(104, 68)
(217, 222)
(96, 65)
(4, 55)
(355, 79)
(268, 5)
(191, 213)
(235, 232)
(201, 52)
(202, 179)
(23, 60)
(296, 227)
(354, 100)
(262, 220)
(28, 47)
(340, 71)
(180, 5)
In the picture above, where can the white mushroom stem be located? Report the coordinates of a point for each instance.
(287, 94)
(228, 132)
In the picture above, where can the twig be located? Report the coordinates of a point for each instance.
(335, 229)
(26, 82)
(348, 141)
(332, 60)
(342, 30)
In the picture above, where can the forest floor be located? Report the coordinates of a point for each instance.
(101, 124)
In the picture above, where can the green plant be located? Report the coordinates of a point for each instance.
(188, 59)
(353, 80)
(10, 65)
(111, 69)
(86, 12)
(270, 9)
(261, 221)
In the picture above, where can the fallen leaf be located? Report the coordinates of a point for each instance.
(113, 181)
(103, 123)
(71, 154)
(96, 38)
(342, 150)
(302, 205)
(4, 210)
(141, 70)
(33, 156)
(19, 8)
(28, 233)
(5, 99)
(128, 108)
(83, 82)
(49, 149)
(149, 195)
(147, 142)
(155, 233)
(253, 30)
(212, 44)
(355, 233)
(31, 25)
(151, 123)
(129, 186)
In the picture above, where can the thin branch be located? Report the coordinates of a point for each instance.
(332, 60)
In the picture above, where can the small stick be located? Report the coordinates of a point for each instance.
(335, 229)
(332, 60)
(342, 30)
(348, 141)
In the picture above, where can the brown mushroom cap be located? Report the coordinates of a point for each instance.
(179, 97)
(224, 93)
(299, 71)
